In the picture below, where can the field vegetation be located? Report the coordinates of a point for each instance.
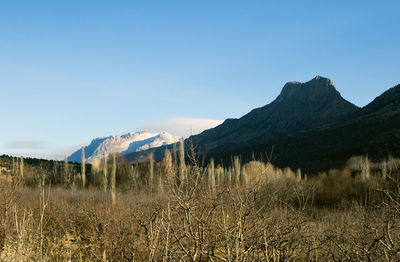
(183, 209)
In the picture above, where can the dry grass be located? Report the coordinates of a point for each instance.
(251, 212)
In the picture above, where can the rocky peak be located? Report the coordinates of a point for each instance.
(318, 87)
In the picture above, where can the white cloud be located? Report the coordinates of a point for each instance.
(182, 126)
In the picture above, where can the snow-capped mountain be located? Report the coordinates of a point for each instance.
(125, 144)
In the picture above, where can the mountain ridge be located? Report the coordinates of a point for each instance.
(309, 126)
(318, 99)
(124, 144)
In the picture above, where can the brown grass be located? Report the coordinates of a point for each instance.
(252, 212)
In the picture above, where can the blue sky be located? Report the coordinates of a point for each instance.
(74, 70)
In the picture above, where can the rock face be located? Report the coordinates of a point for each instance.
(125, 144)
(309, 126)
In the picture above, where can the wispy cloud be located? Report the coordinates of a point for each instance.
(57, 153)
(26, 144)
(182, 126)
(37, 150)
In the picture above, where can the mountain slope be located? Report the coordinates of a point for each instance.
(387, 103)
(125, 144)
(299, 107)
(373, 130)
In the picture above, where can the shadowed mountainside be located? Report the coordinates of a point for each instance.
(299, 107)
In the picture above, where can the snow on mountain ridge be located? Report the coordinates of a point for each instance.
(124, 144)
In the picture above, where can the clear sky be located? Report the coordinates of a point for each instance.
(74, 70)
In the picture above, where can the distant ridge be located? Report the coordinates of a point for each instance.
(125, 144)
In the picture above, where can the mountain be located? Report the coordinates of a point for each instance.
(125, 144)
(373, 130)
(299, 107)
(309, 126)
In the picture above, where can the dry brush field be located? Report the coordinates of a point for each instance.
(185, 211)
